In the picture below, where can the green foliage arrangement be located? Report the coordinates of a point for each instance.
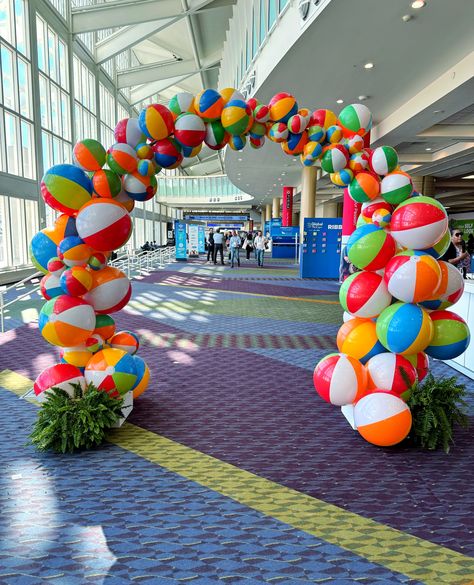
(68, 424)
(437, 405)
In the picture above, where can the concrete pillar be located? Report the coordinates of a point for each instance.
(308, 194)
(424, 185)
(295, 218)
(330, 210)
(262, 219)
(276, 207)
(268, 211)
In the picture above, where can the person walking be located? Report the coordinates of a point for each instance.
(218, 246)
(259, 245)
(248, 245)
(234, 244)
(210, 245)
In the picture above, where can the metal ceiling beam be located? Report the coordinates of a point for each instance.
(128, 37)
(461, 183)
(127, 12)
(455, 193)
(145, 91)
(459, 131)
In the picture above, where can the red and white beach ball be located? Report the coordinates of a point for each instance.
(382, 418)
(419, 222)
(128, 131)
(189, 129)
(450, 288)
(340, 379)
(58, 376)
(385, 372)
(126, 341)
(104, 224)
(364, 294)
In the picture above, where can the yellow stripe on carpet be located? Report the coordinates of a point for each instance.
(412, 556)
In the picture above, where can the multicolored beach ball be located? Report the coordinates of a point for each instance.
(450, 289)
(139, 187)
(143, 376)
(104, 326)
(189, 129)
(278, 132)
(419, 222)
(355, 119)
(421, 364)
(236, 117)
(451, 335)
(76, 281)
(125, 340)
(112, 370)
(365, 187)
(237, 142)
(58, 376)
(358, 338)
(404, 328)
(208, 104)
(89, 155)
(412, 276)
(370, 247)
(128, 131)
(385, 373)
(104, 224)
(383, 160)
(73, 251)
(110, 292)
(396, 187)
(66, 188)
(168, 153)
(340, 379)
(216, 136)
(282, 106)
(50, 286)
(335, 158)
(122, 158)
(323, 118)
(156, 122)
(106, 184)
(66, 321)
(364, 294)
(181, 103)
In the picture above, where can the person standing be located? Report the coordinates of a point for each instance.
(234, 244)
(218, 246)
(456, 254)
(259, 245)
(210, 245)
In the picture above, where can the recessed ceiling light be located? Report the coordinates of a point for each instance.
(239, 159)
(339, 101)
(369, 65)
(427, 148)
(283, 174)
(418, 4)
(362, 98)
(295, 159)
(438, 111)
(246, 184)
(469, 177)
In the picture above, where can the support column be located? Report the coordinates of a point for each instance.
(287, 207)
(295, 218)
(424, 185)
(276, 207)
(308, 194)
(268, 215)
(262, 219)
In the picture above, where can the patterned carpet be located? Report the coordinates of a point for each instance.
(232, 469)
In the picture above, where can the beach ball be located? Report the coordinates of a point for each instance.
(450, 289)
(97, 261)
(278, 132)
(383, 160)
(419, 222)
(354, 144)
(156, 122)
(396, 187)
(311, 153)
(122, 158)
(364, 294)
(451, 336)
(295, 143)
(76, 281)
(323, 118)
(128, 131)
(89, 155)
(110, 292)
(282, 107)
(147, 168)
(358, 162)
(139, 187)
(441, 246)
(106, 183)
(144, 151)
(216, 136)
(412, 276)
(58, 376)
(94, 343)
(364, 187)
(358, 338)
(316, 133)
(168, 153)
(189, 152)
(370, 207)
(257, 142)
(237, 142)
(360, 221)
(334, 134)
(104, 326)
(382, 419)
(385, 373)
(104, 224)
(209, 104)
(257, 130)
(261, 113)
(189, 129)
(126, 340)
(127, 202)
(370, 247)
(143, 376)
(230, 94)
(66, 321)
(42, 249)
(236, 117)
(381, 218)
(340, 379)
(335, 158)
(181, 103)
(75, 356)
(421, 364)
(50, 286)
(404, 328)
(66, 188)
(297, 124)
(253, 103)
(73, 251)
(56, 266)
(111, 370)
(355, 119)
(342, 178)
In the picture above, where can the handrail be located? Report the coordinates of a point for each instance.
(131, 264)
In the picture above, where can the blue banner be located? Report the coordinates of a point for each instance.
(216, 217)
(321, 247)
(181, 241)
(201, 240)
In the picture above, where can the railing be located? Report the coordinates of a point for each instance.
(132, 265)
